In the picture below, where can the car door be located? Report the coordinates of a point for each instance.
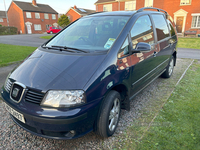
(164, 41)
(142, 64)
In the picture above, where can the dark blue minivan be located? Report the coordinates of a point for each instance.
(80, 79)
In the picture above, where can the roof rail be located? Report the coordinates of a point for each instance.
(158, 9)
(96, 13)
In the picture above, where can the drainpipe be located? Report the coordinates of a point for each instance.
(6, 12)
(118, 5)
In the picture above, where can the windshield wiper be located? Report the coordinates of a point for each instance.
(65, 48)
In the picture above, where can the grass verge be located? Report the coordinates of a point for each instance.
(46, 37)
(12, 53)
(177, 124)
(193, 43)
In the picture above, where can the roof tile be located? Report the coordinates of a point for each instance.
(40, 7)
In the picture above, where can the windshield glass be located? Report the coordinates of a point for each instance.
(93, 34)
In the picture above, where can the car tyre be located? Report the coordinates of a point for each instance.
(109, 114)
(169, 69)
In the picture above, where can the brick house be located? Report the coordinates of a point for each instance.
(31, 17)
(3, 19)
(186, 13)
(75, 13)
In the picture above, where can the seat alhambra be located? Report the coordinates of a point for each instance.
(80, 79)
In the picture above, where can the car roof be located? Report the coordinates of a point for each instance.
(122, 13)
(114, 13)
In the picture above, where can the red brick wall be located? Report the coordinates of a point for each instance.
(4, 23)
(73, 15)
(171, 6)
(15, 16)
(43, 22)
(193, 8)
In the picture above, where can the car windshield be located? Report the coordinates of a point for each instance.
(91, 33)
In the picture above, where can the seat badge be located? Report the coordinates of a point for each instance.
(15, 92)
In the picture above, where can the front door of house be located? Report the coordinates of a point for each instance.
(179, 24)
(29, 29)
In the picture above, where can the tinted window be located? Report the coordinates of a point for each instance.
(124, 49)
(171, 25)
(92, 33)
(161, 27)
(142, 31)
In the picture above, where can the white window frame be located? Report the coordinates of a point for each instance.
(53, 16)
(37, 27)
(28, 15)
(198, 20)
(185, 2)
(147, 3)
(37, 15)
(1, 19)
(46, 16)
(107, 7)
(130, 5)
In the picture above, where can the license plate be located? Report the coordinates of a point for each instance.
(16, 114)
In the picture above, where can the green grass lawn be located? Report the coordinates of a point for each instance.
(177, 125)
(46, 37)
(13, 53)
(193, 43)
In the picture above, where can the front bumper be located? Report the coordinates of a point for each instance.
(55, 123)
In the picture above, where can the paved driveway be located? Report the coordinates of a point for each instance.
(23, 39)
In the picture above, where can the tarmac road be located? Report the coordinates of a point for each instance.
(35, 41)
(23, 39)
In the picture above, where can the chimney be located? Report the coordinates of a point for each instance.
(75, 7)
(34, 3)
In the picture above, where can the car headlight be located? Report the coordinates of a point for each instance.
(64, 98)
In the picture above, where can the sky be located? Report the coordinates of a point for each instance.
(61, 6)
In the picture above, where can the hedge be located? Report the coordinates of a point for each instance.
(8, 30)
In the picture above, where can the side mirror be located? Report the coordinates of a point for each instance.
(142, 47)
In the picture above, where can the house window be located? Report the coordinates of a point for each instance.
(28, 15)
(53, 16)
(46, 16)
(107, 7)
(196, 21)
(131, 5)
(37, 15)
(148, 3)
(37, 27)
(1, 19)
(185, 2)
(68, 17)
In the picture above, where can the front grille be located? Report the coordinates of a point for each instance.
(8, 85)
(34, 96)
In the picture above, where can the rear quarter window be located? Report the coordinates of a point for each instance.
(162, 29)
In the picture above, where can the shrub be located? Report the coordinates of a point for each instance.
(8, 30)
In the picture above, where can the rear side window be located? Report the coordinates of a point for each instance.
(161, 26)
(142, 31)
(172, 31)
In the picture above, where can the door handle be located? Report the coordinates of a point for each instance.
(155, 53)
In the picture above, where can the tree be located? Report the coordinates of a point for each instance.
(0, 25)
(63, 21)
